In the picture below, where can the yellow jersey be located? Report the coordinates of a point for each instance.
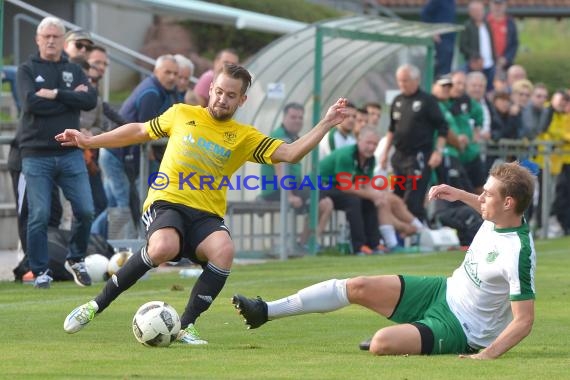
(201, 156)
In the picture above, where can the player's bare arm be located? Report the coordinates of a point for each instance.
(384, 157)
(295, 151)
(516, 331)
(452, 194)
(128, 134)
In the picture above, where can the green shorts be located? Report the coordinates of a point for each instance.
(423, 304)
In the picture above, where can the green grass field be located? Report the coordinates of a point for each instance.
(33, 344)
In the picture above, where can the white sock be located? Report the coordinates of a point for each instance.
(323, 297)
(419, 225)
(388, 232)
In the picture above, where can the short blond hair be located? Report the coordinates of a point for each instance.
(523, 84)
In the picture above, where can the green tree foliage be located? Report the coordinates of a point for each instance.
(210, 38)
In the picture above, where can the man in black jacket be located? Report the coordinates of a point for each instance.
(53, 91)
(415, 117)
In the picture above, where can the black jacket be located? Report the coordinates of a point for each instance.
(469, 41)
(42, 118)
(414, 120)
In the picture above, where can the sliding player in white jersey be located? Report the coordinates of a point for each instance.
(484, 309)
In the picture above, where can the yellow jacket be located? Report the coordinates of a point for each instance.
(558, 131)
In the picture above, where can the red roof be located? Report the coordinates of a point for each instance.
(511, 3)
(517, 8)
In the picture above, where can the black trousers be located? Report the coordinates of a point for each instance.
(413, 192)
(361, 215)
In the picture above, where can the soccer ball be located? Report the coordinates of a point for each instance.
(117, 261)
(156, 324)
(96, 266)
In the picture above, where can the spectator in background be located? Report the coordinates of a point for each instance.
(504, 35)
(202, 88)
(468, 114)
(534, 114)
(340, 136)
(185, 74)
(514, 73)
(98, 62)
(53, 92)
(441, 11)
(415, 121)
(475, 85)
(91, 122)
(371, 213)
(520, 98)
(120, 166)
(506, 118)
(361, 120)
(450, 166)
(288, 131)
(374, 113)
(476, 43)
(78, 43)
(558, 130)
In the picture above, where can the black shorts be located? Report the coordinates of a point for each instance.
(192, 225)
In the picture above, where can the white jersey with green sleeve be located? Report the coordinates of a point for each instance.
(498, 268)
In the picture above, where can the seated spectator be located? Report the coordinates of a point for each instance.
(340, 136)
(288, 131)
(361, 120)
(370, 212)
(374, 113)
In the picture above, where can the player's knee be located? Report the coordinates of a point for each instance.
(163, 250)
(326, 205)
(221, 254)
(356, 289)
(382, 344)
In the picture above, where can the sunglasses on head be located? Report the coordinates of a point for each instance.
(80, 45)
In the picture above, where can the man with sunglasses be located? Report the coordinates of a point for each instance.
(78, 43)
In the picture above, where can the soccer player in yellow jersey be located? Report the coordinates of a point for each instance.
(186, 202)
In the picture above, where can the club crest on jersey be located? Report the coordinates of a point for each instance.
(67, 77)
(416, 105)
(492, 256)
(230, 137)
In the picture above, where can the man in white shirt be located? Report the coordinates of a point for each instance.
(476, 43)
(484, 309)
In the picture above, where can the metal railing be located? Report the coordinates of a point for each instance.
(503, 149)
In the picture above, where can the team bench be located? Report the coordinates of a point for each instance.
(256, 226)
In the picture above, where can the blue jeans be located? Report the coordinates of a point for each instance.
(115, 180)
(68, 171)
